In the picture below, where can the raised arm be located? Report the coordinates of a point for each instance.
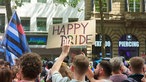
(90, 75)
(64, 53)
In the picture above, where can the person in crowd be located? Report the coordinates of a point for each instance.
(65, 71)
(144, 78)
(2, 63)
(30, 67)
(5, 74)
(17, 61)
(101, 73)
(144, 57)
(15, 75)
(79, 66)
(73, 53)
(126, 69)
(117, 69)
(46, 71)
(137, 69)
(7, 64)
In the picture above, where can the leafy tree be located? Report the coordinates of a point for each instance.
(72, 3)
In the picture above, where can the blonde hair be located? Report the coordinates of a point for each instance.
(65, 71)
(81, 64)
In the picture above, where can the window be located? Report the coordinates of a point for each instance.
(106, 5)
(2, 23)
(97, 47)
(72, 19)
(57, 20)
(41, 24)
(37, 39)
(25, 23)
(2, 3)
(128, 46)
(42, 1)
(135, 5)
(25, 0)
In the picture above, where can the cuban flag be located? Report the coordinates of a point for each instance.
(14, 40)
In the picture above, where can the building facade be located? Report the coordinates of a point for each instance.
(36, 17)
(124, 27)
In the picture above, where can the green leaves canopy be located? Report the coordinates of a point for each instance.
(72, 3)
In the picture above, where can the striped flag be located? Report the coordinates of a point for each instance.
(14, 40)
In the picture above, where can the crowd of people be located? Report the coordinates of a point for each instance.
(29, 68)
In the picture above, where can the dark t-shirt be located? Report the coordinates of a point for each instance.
(134, 78)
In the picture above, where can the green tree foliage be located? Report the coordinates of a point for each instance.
(72, 3)
(18, 2)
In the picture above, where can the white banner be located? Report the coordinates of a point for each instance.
(80, 33)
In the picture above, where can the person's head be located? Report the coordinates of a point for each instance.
(65, 71)
(30, 65)
(117, 64)
(15, 73)
(80, 64)
(49, 64)
(7, 64)
(74, 53)
(103, 69)
(17, 62)
(5, 74)
(2, 62)
(136, 64)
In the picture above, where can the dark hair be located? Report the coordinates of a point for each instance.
(7, 64)
(95, 64)
(49, 64)
(5, 74)
(2, 62)
(106, 65)
(31, 65)
(15, 70)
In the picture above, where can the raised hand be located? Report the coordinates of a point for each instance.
(66, 46)
(65, 50)
(144, 78)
